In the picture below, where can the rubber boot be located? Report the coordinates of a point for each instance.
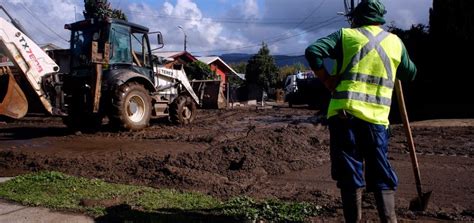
(352, 205)
(385, 201)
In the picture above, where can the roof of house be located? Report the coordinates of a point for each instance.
(175, 54)
(210, 60)
(49, 46)
(242, 76)
(206, 60)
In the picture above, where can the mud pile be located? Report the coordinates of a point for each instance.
(280, 152)
(236, 160)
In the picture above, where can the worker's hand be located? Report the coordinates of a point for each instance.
(331, 82)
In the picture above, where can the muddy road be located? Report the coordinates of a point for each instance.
(269, 153)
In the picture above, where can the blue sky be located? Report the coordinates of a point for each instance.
(214, 27)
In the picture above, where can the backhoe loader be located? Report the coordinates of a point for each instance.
(112, 73)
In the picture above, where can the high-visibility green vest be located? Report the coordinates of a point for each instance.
(371, 58)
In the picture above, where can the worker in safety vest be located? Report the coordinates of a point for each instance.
(367, 61)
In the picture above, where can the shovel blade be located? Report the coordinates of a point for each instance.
(420, 203)
(13, 102)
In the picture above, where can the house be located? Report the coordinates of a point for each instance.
(49, 46)
(220, 67)
(172, 58)
(183, 57)
(215, 91)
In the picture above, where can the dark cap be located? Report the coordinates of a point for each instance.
(368, 12)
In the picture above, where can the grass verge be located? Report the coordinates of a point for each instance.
(94, 197)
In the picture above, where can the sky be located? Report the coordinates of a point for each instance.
(215, 27)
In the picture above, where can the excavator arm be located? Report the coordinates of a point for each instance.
(33, 63)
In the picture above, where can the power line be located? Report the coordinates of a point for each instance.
(277, 38)
(39, 20)
(269, 41)
(308, 29)
(305, 30)
(310, 14)
(266, 21)
(32, 26)
(302, 21)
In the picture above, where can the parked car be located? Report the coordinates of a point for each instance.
(305, 88)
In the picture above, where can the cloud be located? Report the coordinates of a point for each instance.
(237, 26)
(250, 9)
(45, 20)
(202, 32)
(404, 13)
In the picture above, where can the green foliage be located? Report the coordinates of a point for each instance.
(418, 44)
(58, 191)
(289, 70)
(271, 210)
(239, 67)
(452, 20)
(199, 71)
(438, 52)
(261, 69)
(452, 34)
(62, 192)
(101, 9)
(242, 207)
(235, 81)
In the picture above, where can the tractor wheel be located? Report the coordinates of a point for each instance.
(182, 110)
(131, 107)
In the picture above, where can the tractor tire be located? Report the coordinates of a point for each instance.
(183, 110)
(131, 107)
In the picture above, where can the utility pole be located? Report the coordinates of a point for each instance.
(185, 37)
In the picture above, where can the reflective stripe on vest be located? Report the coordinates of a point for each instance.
(362, 97)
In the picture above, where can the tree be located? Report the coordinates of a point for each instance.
(452, 35)
(199, 71)
(101, 9)
(235, 81)
(239, 67)
(261, 69)
(418, 43)
(443, 83)
(289, 70)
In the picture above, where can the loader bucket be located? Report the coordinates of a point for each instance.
(13, 102)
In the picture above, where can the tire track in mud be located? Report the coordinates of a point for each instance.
(456, 141)
(233, 153)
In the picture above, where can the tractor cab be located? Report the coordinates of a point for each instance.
(113, 43)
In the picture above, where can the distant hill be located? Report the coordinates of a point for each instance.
(280, 60)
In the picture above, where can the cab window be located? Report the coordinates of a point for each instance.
(120, 44)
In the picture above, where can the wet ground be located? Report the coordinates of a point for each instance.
(263, 153)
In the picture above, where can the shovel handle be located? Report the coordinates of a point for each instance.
(411, 144)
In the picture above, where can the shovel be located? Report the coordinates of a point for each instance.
(419, 203)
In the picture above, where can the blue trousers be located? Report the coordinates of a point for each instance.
(356, 145)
